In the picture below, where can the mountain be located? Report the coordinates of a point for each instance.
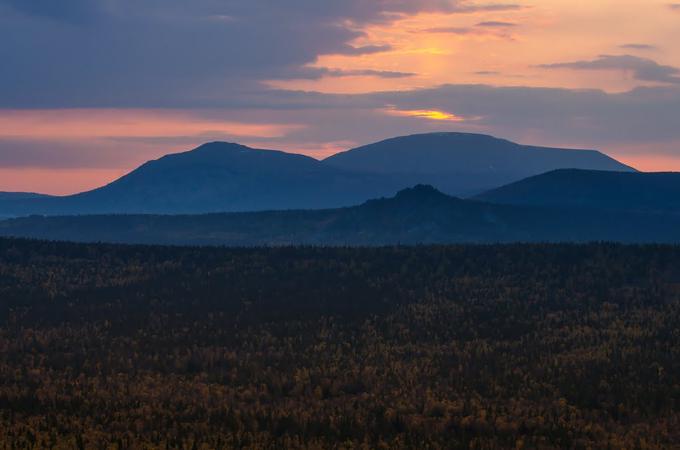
(645, 192)
(464, 163)
(226, 177)
(20, 195)
(11, 201)
(218, 177)
(230, 177)
(414, 216)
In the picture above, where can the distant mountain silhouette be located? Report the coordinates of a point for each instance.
(465, 163)
(10, 202)
(644, 192)
(219, 177)
(21, 195)
(230, 177)
(414, 216)
(225, 177)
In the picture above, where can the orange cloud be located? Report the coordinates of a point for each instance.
(431, 114)
(506, 47)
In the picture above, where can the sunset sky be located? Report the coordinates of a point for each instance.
(89, 89)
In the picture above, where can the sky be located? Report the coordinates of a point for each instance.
(90, 89)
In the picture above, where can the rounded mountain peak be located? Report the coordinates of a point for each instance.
(220, 146)
(421, 194)
(420, 191)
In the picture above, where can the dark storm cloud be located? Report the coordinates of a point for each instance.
(152, 57)
(643, 69)
(160, 53)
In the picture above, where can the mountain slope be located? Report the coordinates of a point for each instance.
(464, 163)
(644, 192)
(20, 195)
(12, 201)
(224, 177)
(413, 216)
(218, 177)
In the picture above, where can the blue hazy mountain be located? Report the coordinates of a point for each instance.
(418, 215)
(12, 201)
(465, 163)
(230, 177)
(21, 195)
(218, 177)
(646, 192)
(225, 177)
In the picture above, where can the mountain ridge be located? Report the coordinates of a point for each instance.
(634, 191)
(462, 163)
(230, 177)
(419, 215)
(4, 195)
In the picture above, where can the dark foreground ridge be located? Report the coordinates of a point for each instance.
(592, 189)
(420, 215)
(491, 347)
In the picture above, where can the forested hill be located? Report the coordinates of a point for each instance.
(414, 216)
(474, 347)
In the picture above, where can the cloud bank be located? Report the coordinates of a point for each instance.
(204, 70)
(643, 69)
(151, 53)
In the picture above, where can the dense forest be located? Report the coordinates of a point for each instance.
(471, 347)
